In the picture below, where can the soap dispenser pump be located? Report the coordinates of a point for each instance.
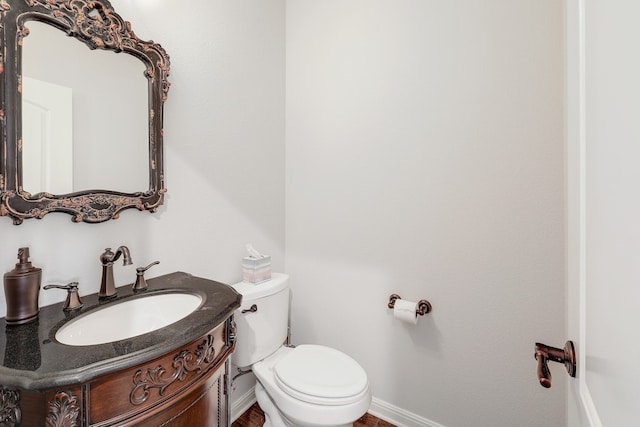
(21, 289)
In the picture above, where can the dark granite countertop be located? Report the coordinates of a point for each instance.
(33, 359)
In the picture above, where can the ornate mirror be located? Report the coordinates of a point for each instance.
(81, 100)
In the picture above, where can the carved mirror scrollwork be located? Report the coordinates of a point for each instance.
(98, 27)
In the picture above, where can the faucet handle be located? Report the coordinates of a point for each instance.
(106, 256)
(73, 301)
(141, 283)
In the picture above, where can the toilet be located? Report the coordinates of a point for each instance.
(303, 386)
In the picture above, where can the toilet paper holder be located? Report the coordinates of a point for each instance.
(424, 306)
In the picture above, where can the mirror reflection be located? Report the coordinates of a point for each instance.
(85, 116)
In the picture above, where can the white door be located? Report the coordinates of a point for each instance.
(47, 137)
(603, 176)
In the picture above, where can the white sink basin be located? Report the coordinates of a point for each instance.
(129, 318)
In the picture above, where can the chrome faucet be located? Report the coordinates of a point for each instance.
(108, 257)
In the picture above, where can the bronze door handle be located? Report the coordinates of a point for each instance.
(566, 355)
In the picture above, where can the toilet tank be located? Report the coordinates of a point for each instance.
(261, 332)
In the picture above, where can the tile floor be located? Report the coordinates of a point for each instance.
(254, 417)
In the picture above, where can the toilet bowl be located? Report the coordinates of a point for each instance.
(303, 386)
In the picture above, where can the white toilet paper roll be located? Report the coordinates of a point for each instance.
(405, 311)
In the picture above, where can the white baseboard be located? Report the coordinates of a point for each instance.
(379, 408)
(241, 405)
(398, 416)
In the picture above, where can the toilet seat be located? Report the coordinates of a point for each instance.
(321, 375)
(298, 412)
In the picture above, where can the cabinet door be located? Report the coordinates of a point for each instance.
(202, 406)
(118, 398)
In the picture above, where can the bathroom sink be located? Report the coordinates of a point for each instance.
(128, 318)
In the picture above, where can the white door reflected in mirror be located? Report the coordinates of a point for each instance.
(47, 132)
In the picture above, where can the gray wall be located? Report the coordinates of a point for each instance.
(425, 158)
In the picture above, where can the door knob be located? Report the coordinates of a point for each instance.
(544, 353)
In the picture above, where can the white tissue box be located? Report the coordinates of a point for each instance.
(256, 270)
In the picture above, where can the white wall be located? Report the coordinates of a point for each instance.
(224, 150)
(425, 158)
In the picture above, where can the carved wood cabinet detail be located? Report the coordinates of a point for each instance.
(10, 414)
(64, 411)
(183, 388)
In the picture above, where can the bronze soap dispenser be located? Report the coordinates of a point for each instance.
(21, 290)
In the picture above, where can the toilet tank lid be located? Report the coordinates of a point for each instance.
(251, 291)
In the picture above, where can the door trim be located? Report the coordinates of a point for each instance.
(578, 390)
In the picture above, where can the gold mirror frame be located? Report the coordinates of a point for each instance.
(95, 23)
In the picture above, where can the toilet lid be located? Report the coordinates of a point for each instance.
(321, 375)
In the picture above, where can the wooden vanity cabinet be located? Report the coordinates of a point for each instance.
(169, 390)
(185, 387)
